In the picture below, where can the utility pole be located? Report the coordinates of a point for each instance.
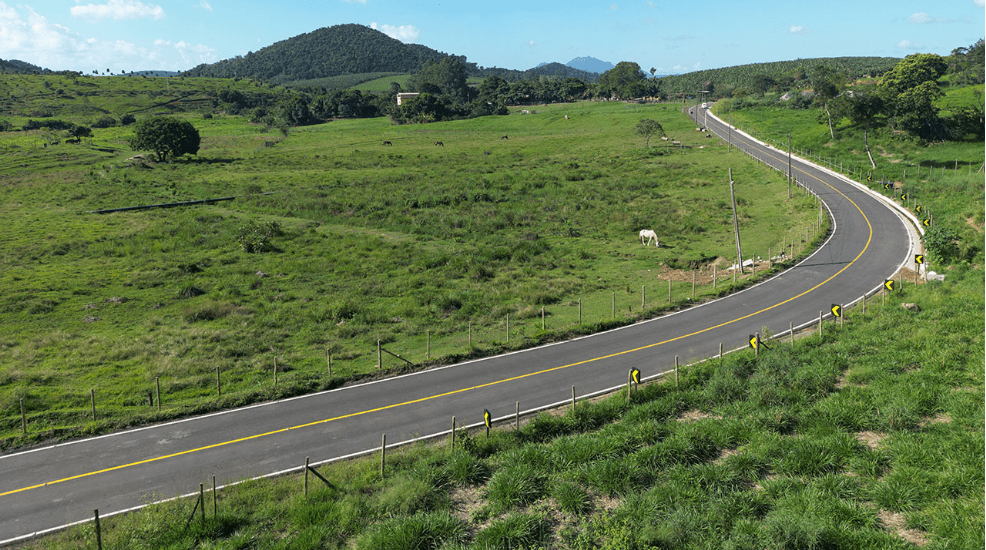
(789, 165)
(739, 249)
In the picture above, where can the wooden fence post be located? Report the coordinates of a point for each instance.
(580, 311)
(614, 304)
(643, 297)
(92, 397)
(669, 289)
(542, 317)
(306, 476)
(219, 387)
(328, 359)
(629, 382)
(275, 370)
(452, 442)
(819, 324)
(202, 500)
(573, 399)
(215, 498)
(792, 334)
(693, 283)
(379, 356)
(23, 417)
(714, 279)
(517, 417)
(383, 455)
(676, 371)
(720, 354)
(157, 383)
(508, 328)
(470, 334)
(428, 345)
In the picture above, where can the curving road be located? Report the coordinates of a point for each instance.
(49, 488)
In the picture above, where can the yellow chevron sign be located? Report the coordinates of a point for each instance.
(888, 284)
(903, 196)
(918, 209)
(919, 259)
(487, 418)
(837, 310)
(635, 376)
(926, 222)
(754, 341)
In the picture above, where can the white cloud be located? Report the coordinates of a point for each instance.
(205, 5)
(980, 3)
(530, 43)
(908, 45)
(30, 37)
(614, 7)
(404, 33)
(355, 1)
(118, 10)
(797, 29)
(921, 18)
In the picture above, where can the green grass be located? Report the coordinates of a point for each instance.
(368, 242)
(871, 437)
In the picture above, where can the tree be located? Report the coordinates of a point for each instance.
(863, 107)
(912, 87)
(914, 70)
(167, 137)
(620, 80)
(648, 127)
(827, 84)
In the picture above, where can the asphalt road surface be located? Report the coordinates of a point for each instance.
(48, 488)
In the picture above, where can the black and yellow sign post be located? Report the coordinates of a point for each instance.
(926, 222)
(888, 286)
(903, 198)
(836, 310)
(488, 420)
(633, 377)
(918, 208)
(755, 343)
(918, 262)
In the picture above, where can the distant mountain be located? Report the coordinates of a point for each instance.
(590, 65)
(327, 52)
(561, 71)
(155, 73)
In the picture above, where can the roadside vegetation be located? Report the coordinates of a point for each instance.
(871, 437)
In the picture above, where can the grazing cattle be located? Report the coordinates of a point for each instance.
(650, 236)
(439, 144)
(504, 136)
(387, 142)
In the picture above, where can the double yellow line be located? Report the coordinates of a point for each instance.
(463, 390)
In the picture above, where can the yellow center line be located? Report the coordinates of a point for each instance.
(480, 386)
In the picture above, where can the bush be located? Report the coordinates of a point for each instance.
(942, 244)
(104, 122)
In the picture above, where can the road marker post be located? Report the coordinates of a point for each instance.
(328, 359)
(383, 455)
(306, 476)
(428, 343)
(23, 417)
(517, 417)
(92, 397)
(573, 399)
(219, 387)
(157, 382)
(676, 372)
(215, 498)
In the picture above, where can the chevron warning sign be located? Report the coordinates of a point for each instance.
(903, 196)
(635, 376)
(889, 284)
(487, 418)
(919, 208)
(836, 310)
(887, 185)
(919, 259)
(926, 222)
(754, 341)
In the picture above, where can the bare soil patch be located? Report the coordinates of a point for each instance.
(896, 523)
(871, 439)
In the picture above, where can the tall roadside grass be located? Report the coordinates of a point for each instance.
(871, 437)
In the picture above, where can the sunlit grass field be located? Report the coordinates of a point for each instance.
(352, 241)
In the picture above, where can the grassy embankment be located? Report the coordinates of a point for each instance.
(869, 438)
(360, 242)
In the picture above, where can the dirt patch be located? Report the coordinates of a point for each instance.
(972, 223)
(725, 454)
(940, 418)
(465, 502)
(871, 439)
(694, 415)
(896, 523)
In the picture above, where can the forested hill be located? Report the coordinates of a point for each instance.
(326, 52)
(14, 66)
(786, 74)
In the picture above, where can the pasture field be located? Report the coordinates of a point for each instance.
(336, 241)
(869, 438)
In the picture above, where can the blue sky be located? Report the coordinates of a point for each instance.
(671, 36)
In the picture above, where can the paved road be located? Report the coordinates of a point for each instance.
(48, 488)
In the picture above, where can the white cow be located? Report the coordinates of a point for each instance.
(650, 236)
